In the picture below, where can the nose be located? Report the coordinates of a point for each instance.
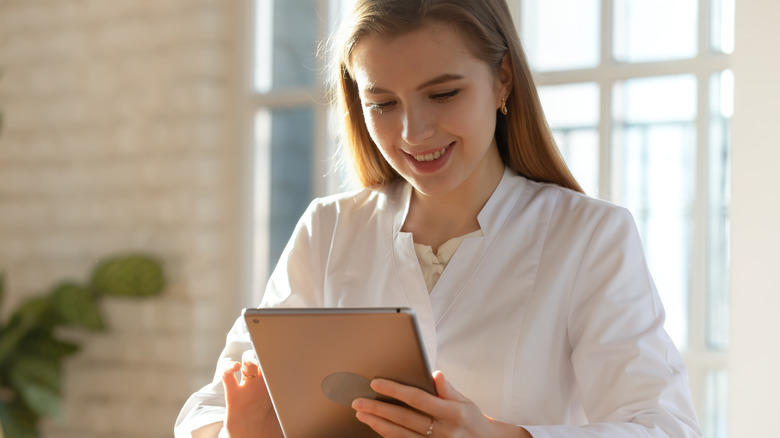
(419, 124)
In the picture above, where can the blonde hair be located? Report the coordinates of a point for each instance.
(524, 140)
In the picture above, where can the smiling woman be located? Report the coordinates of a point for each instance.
(436, 111)
(535, 155)
(542, 314)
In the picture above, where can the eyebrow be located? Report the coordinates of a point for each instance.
(447, 77)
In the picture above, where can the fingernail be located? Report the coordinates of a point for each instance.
(249, 356)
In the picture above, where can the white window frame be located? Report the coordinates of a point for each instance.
(311, 97)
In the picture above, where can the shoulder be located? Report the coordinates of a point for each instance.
(359, 204)
(569, 206)
(571, 215)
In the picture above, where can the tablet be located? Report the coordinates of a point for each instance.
(316, 361)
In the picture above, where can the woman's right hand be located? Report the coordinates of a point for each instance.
(250, 413)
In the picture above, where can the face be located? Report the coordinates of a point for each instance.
(430, 106)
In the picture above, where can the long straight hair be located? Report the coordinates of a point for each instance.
(524, 139)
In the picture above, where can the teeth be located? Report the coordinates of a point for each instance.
(430, 157)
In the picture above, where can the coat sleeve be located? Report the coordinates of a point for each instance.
(300, 270)
(631, 377)
(207, 405)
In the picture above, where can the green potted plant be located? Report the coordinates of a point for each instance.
(32, 351)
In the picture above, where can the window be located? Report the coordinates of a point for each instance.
(639, 97)
(292, 147)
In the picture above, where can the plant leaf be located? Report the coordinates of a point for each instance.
(43, 343)
(32, 314)
(2, 291)
(38, 382)
(77, 306)
(18, 420)
(133, 275)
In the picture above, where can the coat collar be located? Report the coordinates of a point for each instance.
(492, 216)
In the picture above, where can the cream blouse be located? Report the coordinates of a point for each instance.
(432, 265)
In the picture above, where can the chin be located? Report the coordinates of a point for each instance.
(433, 189)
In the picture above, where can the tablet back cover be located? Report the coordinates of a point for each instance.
(316, 361)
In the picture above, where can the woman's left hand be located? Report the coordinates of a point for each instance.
(448, 415)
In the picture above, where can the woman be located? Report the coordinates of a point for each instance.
(533, 300)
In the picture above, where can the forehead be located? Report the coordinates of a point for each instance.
(417, 55)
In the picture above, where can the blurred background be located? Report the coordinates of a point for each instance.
(197, 131)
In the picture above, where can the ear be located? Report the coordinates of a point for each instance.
(504, 77)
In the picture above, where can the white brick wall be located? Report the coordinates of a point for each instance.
(119, 134)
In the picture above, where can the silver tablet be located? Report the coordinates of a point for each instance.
(316, 361)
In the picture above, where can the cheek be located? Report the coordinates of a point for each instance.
(379, 128)
(471, 118)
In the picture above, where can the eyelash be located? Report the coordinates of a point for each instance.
(446, 96)
(379, 107)
(441, 97)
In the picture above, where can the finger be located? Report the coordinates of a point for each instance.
(415, 397)
(445, 389)
(229, 376)
(399, 415)
(249, 367)
(249, 356)
(385, 427)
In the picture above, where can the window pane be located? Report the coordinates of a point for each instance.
(655, 99)
(571, 105)
(283, 173)
(721, 107)
(573, 114)
(654, 30)
(561, 34)
(722, 26)
(580, 149)
(285, 44)
(654, 176)
(715, 422)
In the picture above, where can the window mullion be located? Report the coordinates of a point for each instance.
(705, 23)
(605, 103)
(613, 71)
(244, 87)
(697, 307)
(320, 111)
(697, 310)
(605, 141)
(698, 301)
(261, 189)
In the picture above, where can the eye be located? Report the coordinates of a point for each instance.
(443, 97)
(379, 107)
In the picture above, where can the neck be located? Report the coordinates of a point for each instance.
(434, 220)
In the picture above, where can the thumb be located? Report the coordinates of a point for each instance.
(445, 390)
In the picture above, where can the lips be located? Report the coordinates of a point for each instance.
(432, 161)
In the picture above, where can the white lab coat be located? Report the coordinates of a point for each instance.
(550, 320)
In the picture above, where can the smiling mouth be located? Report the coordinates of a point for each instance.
(432, 156)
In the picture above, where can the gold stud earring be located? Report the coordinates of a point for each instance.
(504, 109)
